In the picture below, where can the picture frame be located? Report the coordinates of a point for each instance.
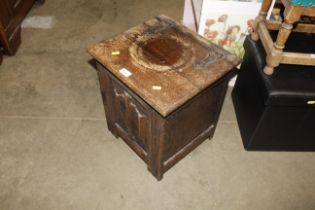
(227, 23)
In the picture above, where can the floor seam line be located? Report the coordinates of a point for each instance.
(52, 118)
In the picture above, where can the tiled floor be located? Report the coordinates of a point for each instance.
(56, 152)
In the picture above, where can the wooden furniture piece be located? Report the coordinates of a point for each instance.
(12, 13)
(274, 50)
(163, 87)
(276, 113)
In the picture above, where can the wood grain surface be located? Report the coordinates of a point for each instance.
(167, 63)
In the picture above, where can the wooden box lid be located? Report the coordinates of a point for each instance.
(164, 62)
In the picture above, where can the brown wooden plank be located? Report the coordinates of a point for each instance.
(168, 62)
(298, 58)
(301, 27)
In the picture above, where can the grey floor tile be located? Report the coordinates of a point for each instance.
(50, 84)
(60, 164)
(82, 23)
(56, 151)
(227, 113)
(232, 178)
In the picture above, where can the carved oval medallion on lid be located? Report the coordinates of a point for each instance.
(160, 53)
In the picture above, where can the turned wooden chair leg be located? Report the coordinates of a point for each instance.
(268, 69)
(273, 59)
(261, 17)
(283, 35)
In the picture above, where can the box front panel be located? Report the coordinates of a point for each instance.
(131, 117)
(126, 116)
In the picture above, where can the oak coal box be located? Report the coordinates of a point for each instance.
(163, 87)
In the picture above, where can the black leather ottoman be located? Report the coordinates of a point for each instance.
(276, 113)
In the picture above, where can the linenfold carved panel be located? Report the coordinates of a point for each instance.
(131, 116)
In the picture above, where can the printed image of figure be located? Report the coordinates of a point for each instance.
(221, 23)
(215, 29)
(230, 37)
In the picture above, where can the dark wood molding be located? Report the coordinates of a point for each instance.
(12, 13)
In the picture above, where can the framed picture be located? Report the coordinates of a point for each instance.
(226, 23)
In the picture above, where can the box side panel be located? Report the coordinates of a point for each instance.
(192, 123)
(285, 129)
(248, 98)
